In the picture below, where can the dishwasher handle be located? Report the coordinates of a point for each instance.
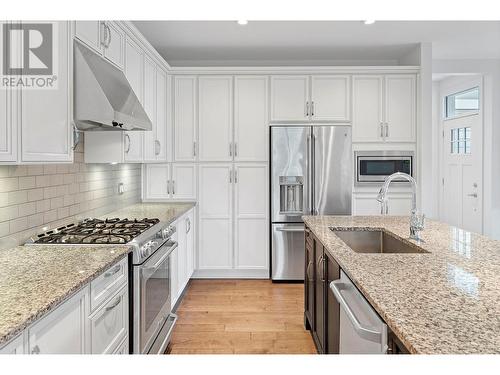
(337, 286)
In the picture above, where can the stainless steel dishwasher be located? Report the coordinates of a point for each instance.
(362, 331)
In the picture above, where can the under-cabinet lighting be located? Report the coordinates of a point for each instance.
(369, 22)
(242, 22)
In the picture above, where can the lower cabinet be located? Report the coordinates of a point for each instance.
(77, 326)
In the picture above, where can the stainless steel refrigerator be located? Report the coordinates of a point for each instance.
(311, 174)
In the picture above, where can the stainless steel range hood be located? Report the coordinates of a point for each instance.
(104, 99)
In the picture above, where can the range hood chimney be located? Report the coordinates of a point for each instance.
(104, 99)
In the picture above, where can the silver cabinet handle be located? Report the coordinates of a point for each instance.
(109, 36)
(104, 37)
(230, 149)
(235, 176)
(188, 225)
(168, 186)
(157, 147)
(312, 109)
(194, 148)
(129, 144)
(386, 130)
(474, 195)
(307, 270)
(116, 303)
(113, 271)
(337, 286)
(382, 130)
(235, 149)
(307, 109)
(35, 350)
(321, 267)
(173, 187)
(230, 176)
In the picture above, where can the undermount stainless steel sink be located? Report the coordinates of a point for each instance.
(375, 241)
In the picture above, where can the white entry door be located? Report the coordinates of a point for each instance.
(462, 195)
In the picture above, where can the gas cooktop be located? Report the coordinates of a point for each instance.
(96, 231)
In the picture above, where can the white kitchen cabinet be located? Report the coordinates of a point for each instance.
(134, 71)
(190, 243)
(123, 347)
(367, 204)
(174, 277)
(400, 112)
(63, 330)
(150, 141)
(289, 98)
(182, 264)
(182, 278)
(8, 129)
(330, 98)
(215, 216)
(183, 181)
(185, 118)
(157, 181)
(162, 140)
(384, 108)
(367, 116)
(46, 114)
(14, 346)
(113, 43)
(251, 216)
(215, 98)
(89, 32)
(109, 324)
(251, 118)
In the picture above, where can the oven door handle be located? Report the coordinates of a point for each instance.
(162, 259)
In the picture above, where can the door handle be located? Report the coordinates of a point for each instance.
(113, 271)
(129, 144)
(235, 176)
(230, 149)
(386, 130)
(320, 268)
(235, 149)
(337, 286)
(116, 303)
(168, 186)
(381, 130)
(312, 109)
(307, 109)
(173, 187)
(157, 147)
(194, 148)
(474, 195)
(109, 36)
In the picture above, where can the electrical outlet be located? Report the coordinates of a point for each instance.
(121, 188)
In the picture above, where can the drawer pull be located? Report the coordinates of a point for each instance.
(113, 271)
(116, 303)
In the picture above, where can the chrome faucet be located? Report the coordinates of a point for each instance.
(416, 220)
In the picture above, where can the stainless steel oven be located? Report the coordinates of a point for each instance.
(372, 167)
(153, 320)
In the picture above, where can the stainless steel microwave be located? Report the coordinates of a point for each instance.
(374, 166)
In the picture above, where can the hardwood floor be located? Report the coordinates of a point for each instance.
(241, 317)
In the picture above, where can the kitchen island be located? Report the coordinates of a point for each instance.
(442, 301)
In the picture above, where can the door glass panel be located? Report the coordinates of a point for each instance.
(462, 103)
(156, 291)
(460, 140)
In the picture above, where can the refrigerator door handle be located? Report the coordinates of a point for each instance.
(309, 173)
(312, 185)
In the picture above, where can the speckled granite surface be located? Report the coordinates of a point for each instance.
(444, 301)
(166, 212)
(36, 279)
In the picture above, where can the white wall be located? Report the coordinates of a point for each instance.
(490, 70)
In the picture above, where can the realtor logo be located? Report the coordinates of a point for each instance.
(28, 58)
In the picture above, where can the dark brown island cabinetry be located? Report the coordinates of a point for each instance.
(321, 309)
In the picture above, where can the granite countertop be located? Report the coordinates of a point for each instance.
(166, 212)
(36, 279)
(444, 301)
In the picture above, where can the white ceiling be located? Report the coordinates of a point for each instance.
(212, 43)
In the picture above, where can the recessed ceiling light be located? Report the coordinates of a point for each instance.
(242, 22)
(369, 22)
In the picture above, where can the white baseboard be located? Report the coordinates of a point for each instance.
(231, 274)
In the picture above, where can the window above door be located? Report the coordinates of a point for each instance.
(462, 103)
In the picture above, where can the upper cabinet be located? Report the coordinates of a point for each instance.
(216, 118)
(105, 37)
(251, 118)
(151, 148)
(8, 130)
(384, 108)
(321, 98)
(185, 118)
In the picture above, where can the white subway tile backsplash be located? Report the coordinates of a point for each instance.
(37, 196)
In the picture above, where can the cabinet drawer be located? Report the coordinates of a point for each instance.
(106, 284)
(14, 346)
(109, 324)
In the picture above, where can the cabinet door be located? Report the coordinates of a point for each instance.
(63, 330)
(8, 129)
(89, 33)
(215, 228)
(289, 98)
(320, 307)
(157, 181)
(183, 181)
(161, 115)
(330, 97)
(14, 346)
(251, 216)
(367, 109)
(134, 71)
(185, 118)
(47, 113)
(398, 204)
(251, 118)
(150, 144)
(114, 43)
(190, 238)
(174, 277)
(181, 254)
(215, 118)
(309, 280)
(332, 308)
(400, 105)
